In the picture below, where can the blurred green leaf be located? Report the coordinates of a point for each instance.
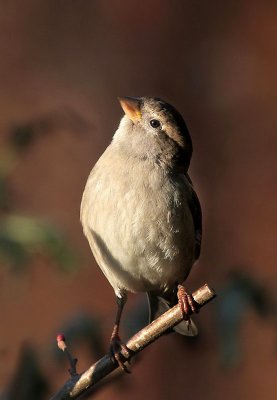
(4, 194)
(22, 136)
(21, 237)
(28, 381)
(240, 293)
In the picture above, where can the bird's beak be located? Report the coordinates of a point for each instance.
(131, 107)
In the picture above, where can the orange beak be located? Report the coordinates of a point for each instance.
(131, 107)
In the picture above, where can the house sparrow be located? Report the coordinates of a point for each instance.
(140, 213)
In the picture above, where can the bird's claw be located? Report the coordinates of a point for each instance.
(186, 302)
(119, 353)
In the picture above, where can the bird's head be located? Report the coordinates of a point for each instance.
(153, 129)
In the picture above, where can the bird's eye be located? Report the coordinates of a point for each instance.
(155, 123)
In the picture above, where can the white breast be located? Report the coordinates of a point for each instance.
(138, 223)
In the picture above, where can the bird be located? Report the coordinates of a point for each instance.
(141, 214)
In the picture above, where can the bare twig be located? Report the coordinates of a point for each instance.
(72, 361)
(78, 384)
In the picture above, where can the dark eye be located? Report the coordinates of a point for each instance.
(155, 123)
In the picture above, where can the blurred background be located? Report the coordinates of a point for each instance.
(63, 64)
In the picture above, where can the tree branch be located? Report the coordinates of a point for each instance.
(78, 384)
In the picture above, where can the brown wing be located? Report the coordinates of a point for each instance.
(161, 302)
(196, 213)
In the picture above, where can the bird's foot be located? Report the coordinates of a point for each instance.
(119, 352)
(186, 302)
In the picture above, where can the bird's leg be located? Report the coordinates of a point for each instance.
(186, 302)
(118, 350)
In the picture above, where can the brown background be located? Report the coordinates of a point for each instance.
(216, 62)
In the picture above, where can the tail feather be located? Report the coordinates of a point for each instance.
(159, 305)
